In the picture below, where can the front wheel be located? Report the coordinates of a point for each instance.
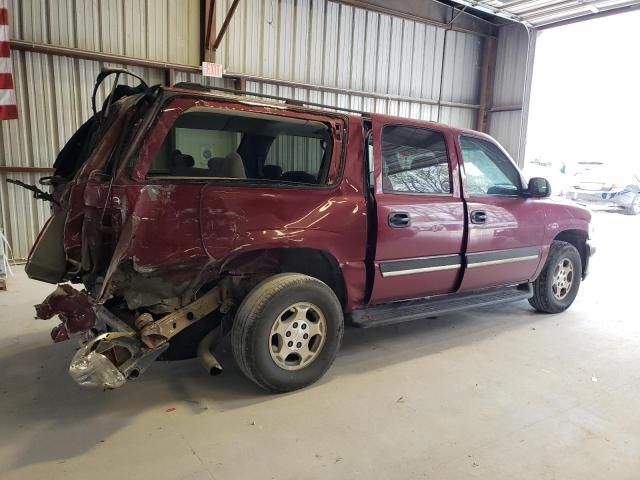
(557, 286)
(287, 332)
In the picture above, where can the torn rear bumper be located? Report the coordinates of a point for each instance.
(110, 359)
(112, 350)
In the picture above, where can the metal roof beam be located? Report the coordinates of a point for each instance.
(590, 16)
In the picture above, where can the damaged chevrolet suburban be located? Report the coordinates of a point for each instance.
(185, 214)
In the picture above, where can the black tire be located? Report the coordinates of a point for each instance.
(251, 330)
(544, 300)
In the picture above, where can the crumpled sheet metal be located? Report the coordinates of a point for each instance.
(93, 364)
(72, 306)
(92, 369)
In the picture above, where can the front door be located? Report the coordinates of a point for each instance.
(420, 214)
(506, 228)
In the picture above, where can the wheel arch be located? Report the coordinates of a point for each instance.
(313, 262)
(577, 238)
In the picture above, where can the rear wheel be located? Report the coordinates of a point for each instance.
(287, 332)
(557, 286)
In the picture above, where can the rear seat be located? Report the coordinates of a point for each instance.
(230, 166)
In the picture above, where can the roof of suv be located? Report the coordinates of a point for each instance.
(300, 105)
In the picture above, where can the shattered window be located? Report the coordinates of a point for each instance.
(210, 143)
(414, 160)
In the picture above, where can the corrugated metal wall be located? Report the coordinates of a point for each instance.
(310, 41)
(332, 44)
(166, 30)
(296, 154)
(511, 85)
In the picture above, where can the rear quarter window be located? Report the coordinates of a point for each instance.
(211, 144)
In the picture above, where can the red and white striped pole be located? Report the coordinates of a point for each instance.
(8, 108)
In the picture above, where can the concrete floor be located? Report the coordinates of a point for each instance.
(501, 393)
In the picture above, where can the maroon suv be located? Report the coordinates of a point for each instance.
(187, 214)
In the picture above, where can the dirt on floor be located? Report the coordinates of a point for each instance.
(498, 393)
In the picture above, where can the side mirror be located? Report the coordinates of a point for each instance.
(539, 187)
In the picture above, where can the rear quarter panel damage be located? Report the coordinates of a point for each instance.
(180, 233)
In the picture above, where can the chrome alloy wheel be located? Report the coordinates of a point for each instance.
(562, 278)
(297, 336)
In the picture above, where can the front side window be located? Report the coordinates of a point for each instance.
(414, 160)
(488, 171)
(211, 143)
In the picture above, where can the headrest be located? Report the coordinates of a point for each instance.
(230, 166)
(180, 162)
(233, 166)
(188, 161)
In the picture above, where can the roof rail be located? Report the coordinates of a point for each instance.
(288, 101)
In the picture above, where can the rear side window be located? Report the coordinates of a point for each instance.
(488, 171)
(212, 144)
(414, 160)
(296, 158)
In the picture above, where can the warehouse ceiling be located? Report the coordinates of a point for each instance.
(538, 13)
(484, 15)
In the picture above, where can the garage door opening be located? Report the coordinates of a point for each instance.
(584, 113)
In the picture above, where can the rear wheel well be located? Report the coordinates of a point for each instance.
(577, 238)
(307, 261)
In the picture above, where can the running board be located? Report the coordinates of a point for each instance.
(398, 312)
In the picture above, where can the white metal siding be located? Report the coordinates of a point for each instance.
(511, 85)
(511, 61)
(336, 45)
(166, 30)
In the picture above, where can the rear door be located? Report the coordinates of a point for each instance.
(506, 228)
(420, 214)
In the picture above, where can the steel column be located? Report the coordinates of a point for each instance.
(489, 52)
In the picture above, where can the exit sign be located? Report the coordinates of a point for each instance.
(212, 69)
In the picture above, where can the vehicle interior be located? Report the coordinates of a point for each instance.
(487, 170)
(212, 143)
(414, 160)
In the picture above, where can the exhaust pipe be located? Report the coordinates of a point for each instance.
(208, 343)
